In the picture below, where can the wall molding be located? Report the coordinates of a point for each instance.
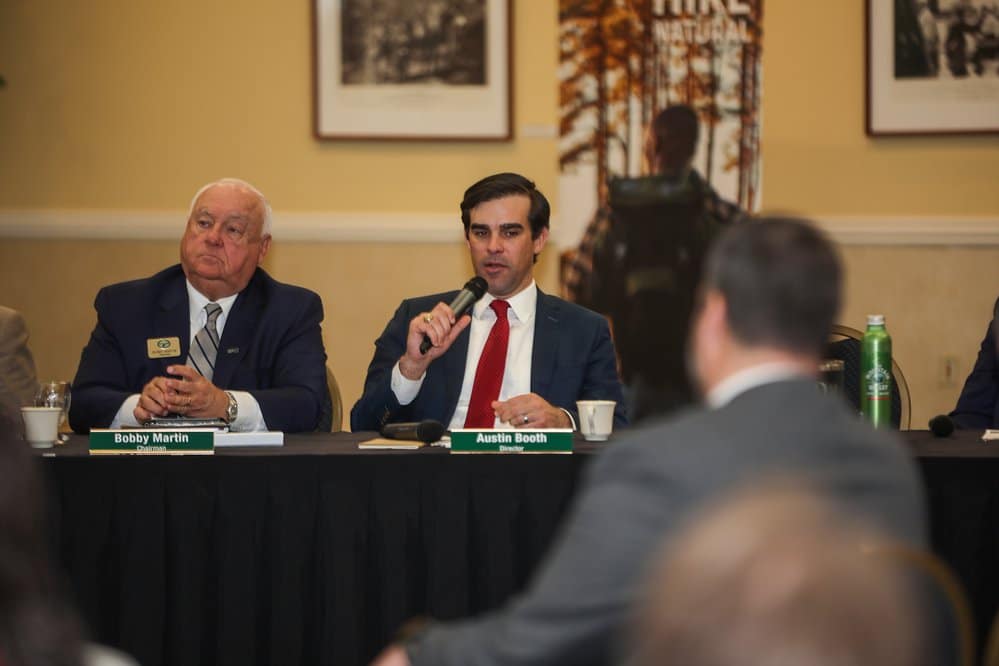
(911, 230)
(393, 227)
(342, 227)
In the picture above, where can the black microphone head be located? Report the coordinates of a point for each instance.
(469, 294)
(429, 431)
(477, 286)
(941, 425)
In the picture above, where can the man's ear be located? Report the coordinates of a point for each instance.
(714, 316)
(539, 242)
(265, 245)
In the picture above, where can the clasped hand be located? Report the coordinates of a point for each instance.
(190, 395)
(530, 410)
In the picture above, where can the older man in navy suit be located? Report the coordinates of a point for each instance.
(527, 356)
(213, 337)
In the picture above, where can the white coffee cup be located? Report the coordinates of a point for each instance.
(41, 425)
(596, 419)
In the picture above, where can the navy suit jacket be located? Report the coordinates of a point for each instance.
(978, 404)
(271, 347)
(573, 359)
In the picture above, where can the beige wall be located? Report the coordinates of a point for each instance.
(816, 156)
(123, 104)
(131, 106)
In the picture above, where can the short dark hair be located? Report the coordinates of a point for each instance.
(780, 278)
(502, 185)
(675, 130)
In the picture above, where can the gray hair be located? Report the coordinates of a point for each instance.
(245, 186)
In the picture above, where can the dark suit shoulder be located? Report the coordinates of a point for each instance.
(569, 311)
(780, 430)
(552, 305)
(268, 285)
(144, 286)
(656, 445)
(783, 424)
(134, 300)
(421, 303)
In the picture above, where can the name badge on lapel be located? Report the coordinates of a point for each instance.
(163, 347)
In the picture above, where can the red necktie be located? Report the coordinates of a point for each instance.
(489, 373)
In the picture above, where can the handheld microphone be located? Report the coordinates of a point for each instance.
(471, 292)
(941, 425)
(427, 430)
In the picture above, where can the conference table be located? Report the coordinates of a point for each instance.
(316, 552)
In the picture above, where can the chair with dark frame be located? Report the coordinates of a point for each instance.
(947, 621)
(844, 345)
(336, 401)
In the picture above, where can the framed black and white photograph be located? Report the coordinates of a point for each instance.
(932, 67)
(412, 69)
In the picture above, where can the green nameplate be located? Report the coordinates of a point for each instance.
(156, 441)
(550, 440)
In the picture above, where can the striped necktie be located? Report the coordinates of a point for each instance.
(205, 347)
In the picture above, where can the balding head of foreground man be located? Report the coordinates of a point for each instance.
(775, 575)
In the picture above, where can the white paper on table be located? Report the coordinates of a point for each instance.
(264, 438)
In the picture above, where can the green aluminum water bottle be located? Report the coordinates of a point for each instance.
(875, 373)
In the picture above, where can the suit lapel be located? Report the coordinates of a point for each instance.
(546, 337)
(237, 335)
(173, 320)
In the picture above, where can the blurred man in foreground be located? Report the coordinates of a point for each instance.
(770, 293)
(38, 627)
(212, 337)
(527, 358)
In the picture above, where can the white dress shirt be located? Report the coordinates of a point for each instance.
(739, 382)
(249, 416)
(517, 375)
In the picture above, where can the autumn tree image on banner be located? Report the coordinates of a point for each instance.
(623, 61)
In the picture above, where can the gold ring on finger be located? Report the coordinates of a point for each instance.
(428, 317)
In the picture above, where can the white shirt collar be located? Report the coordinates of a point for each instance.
(522, 304)
(197, 301)
(739, 382)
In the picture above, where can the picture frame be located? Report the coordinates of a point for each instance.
(423, 70)
(932, 67)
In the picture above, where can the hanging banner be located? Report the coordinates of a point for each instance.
(623, 61)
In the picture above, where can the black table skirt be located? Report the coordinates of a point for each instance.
(961, 478)
(316, 552)
(313, 554)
